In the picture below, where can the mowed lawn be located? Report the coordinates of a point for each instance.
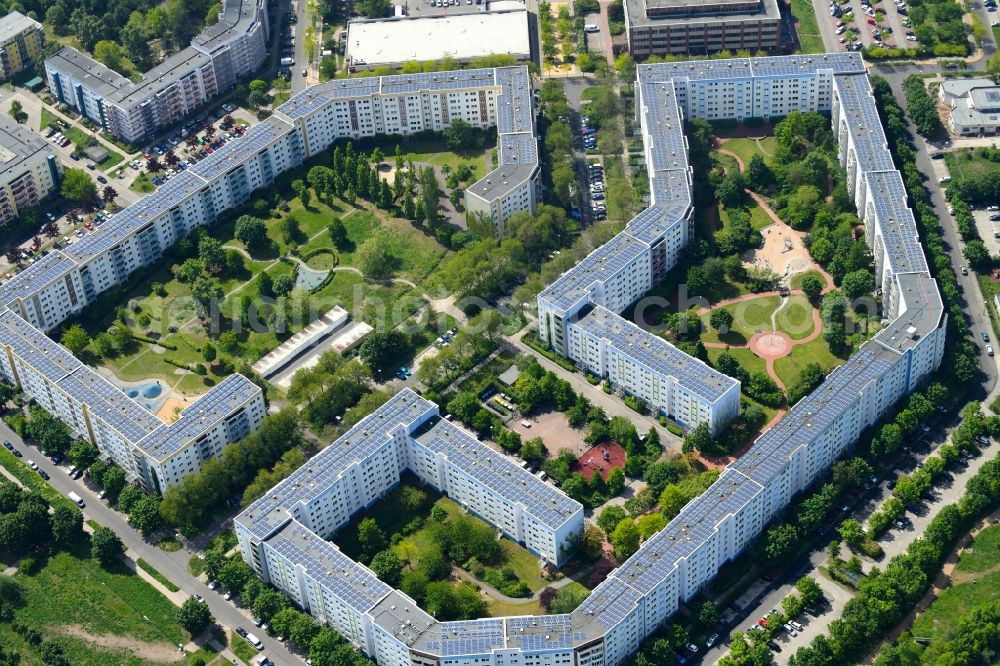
(758, 218)
(749, 316)
(747, 358)
(790, 367)
(747, 148)
(75, 594)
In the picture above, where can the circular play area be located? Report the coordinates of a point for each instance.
(770, 344)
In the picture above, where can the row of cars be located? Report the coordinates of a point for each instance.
(595, 172)
(57, 137)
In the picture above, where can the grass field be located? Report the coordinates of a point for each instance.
(966, 162)
(747, 148)
(241, 648)
(747, 358)
(789, 367)
(796, 281)
(985, 552)
(497, 608)
(954, 603)
(142, 184)
(795, 318)
(416, 255)
(99, 617)
(806, 27)
(749, 317)
(80, 136)
(758, 218)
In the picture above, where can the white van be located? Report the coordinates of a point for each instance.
(591, 27)
(77, 499)
(254, 641)
(288, 62)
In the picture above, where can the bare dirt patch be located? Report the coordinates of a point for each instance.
(167, 411)
(783, 253)
(554, 430)
(161, 652)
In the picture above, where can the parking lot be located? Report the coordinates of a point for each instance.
(443, 7)
(194, 142)
(872, 22)
(988, 226)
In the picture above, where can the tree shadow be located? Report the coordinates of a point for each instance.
(733, 338)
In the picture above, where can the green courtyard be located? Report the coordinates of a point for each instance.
(421, 527)
(163, 308)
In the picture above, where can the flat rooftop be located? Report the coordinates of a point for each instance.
(16, 23)
(458, 36)
(17, 145)
(679, 12)
(88, 72)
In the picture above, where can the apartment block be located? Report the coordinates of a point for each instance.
(699, 27)
(63, 282)
(283, 536)
(223, 54)
(410, 103)
(22, 40)
(29, 171)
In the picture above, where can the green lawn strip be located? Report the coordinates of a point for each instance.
(747, 148)
(806, 28)
(72, 589)
(524, 564)
(747, 358)
(472, 158)
(939, 620)
(241, 648)
(497, 608)
(758, 218)
(29, 478)
(749, 316)
(142, 184)
(789, 367)
(160, 578)
(79, 136)
(985, 551)
(796, 281)
(46, 119)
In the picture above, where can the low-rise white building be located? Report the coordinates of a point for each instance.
(394, 41)
(974, 104)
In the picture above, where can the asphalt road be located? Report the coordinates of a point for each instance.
(171, 565)
(299, 82)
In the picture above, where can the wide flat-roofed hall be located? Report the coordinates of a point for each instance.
(394, 41)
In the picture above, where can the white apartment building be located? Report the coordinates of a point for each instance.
(580, 321)
(222, 54)
(408, 433)
(283, 535)
(65, 281)
(29, 171)
(411, 103)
